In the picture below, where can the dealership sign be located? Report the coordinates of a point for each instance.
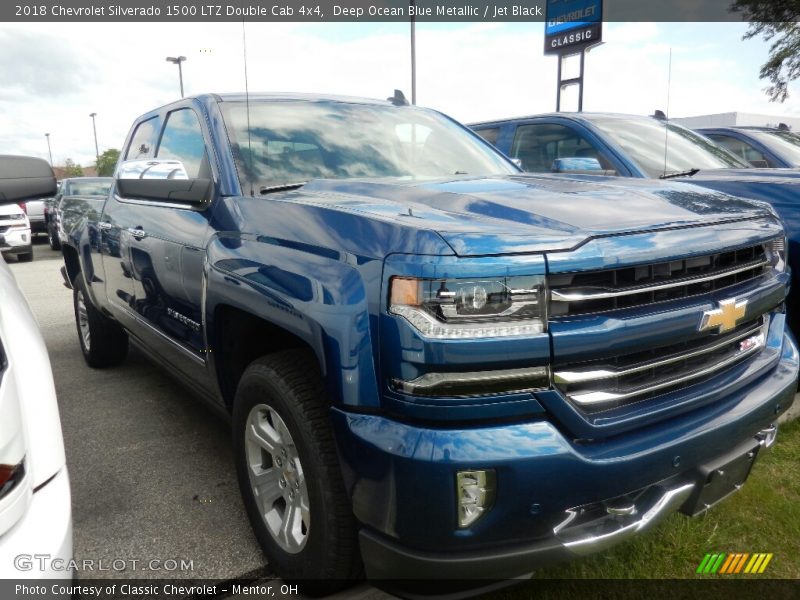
(572, 25)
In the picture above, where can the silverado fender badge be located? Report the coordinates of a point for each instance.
(725, 317)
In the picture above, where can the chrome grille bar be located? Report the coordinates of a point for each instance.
(749, 343)
(573, 377)
(578, 296)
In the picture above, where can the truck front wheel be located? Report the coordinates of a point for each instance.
(289, 473)
(103, 342)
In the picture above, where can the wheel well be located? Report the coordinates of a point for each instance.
(71, 261)
(239, 339)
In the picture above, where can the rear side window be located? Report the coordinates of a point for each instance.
(183, 140)
(143, 142)
(740, 148)
(490, 135)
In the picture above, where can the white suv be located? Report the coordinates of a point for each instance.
(15, 232)
(35, 507)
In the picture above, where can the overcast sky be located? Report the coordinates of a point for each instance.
(54, 75)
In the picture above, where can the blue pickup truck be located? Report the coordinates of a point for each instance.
(636, 146)
(776, 148)
(434, 364)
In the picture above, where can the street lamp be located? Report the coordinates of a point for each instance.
(178, 61)
(94, 127)
(49, 152)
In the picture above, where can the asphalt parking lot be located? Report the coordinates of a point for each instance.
(151, 468)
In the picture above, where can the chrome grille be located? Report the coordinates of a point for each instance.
(599, 385)
(612, 289)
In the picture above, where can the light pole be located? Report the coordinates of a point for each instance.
(94, 127)
(178, 61)
(49, 152)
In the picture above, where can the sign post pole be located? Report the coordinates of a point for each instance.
(571, 28)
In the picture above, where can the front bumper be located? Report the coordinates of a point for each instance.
(401, 479)
(16, 241)
(44, 531)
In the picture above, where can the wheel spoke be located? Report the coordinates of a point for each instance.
(265, 486)
(290, 525)
(263, 435)
(305, 513)
(280, 429)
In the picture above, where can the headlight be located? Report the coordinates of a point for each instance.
(775, 251)
(470, 308)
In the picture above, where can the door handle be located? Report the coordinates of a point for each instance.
(104, 225)
(137, 232)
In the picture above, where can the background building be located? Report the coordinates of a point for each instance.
(737, 119)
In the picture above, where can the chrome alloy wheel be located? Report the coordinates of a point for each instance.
(83, 322)
(276, 478)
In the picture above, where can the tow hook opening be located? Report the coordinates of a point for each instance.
(766, 437)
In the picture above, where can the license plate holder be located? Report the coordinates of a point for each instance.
(720, 478)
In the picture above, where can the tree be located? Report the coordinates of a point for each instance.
(71, 169)
(107, 162)
(775, 20)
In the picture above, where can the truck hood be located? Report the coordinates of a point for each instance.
(526, 213)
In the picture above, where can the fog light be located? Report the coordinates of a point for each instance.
(476, 492)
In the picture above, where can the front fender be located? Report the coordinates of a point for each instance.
(318, 295)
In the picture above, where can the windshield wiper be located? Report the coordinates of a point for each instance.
(283, 187)
(688, 173)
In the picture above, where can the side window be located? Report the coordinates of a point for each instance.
(538, 145)
(490, 135)
(144, 140)
(183, 140)
(740, 148)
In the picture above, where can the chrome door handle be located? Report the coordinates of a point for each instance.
(137, 233)
(104, 225)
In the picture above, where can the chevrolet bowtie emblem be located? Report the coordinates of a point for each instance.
(724, 317)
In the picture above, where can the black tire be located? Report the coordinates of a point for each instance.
(26, 257)
(289, 383)
(107, 343)
(52, 237)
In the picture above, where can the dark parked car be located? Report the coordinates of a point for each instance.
(760, 146)
(647, 147)
(72, 192)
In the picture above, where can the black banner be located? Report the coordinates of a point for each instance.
(320, 11)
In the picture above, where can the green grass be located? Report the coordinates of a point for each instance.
(763, 517)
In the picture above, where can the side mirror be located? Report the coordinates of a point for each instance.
(573, 164)
(25, 178)
(161, 180)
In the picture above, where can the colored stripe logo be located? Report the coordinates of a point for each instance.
(720, 563)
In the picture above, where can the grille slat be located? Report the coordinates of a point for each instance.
(612, 289)
(603, 384)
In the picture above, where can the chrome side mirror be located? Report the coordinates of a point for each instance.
(151, 169)
(158, 180)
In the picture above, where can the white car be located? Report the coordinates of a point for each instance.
(35, 506)
(15, 232)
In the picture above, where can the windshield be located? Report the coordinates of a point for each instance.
(296, 141)
(643, 139)
(785, 143)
